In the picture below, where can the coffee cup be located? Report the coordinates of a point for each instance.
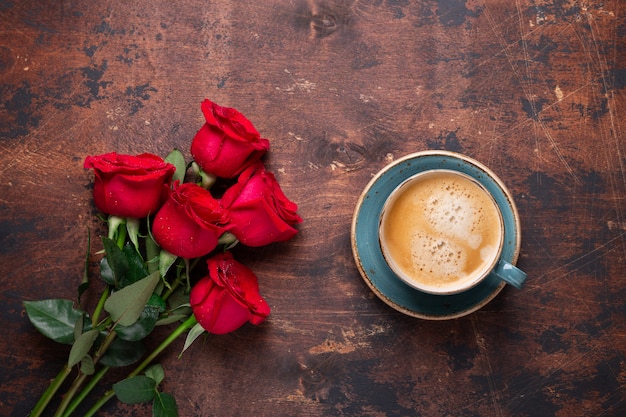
(442, 232)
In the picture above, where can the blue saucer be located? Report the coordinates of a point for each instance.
(369, 258)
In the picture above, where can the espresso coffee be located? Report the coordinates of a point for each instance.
(441, 231)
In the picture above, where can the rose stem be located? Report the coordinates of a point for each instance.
(50, 391)
(63, 374)
(68, 397)
(80, 397)
(189, 323)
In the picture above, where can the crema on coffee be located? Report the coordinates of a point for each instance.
(441, 231)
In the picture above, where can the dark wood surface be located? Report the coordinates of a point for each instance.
(533, 89)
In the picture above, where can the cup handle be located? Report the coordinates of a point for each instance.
(510, 274)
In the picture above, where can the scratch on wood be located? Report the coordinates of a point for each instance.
(299, 84)
(353, 340)
(493, 392)
(296, 137)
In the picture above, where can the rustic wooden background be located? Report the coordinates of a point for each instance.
(535, 89)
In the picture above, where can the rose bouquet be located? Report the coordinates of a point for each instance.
(166, 260)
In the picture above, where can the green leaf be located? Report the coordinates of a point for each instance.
(177, 159)
(122, 267)
(126, 305)
(136, 266)
(106, 273)
(115, 258)
(87, 366)
(82, 326)
(193, 334)
(146, 321)
(123, 353)
(135, 390)
(164, 405)
(156, 372)
(81, 346)
(54, 318)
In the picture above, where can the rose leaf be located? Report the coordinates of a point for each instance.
(115, 258)
(106, 273)
(135, 390)
(146, 321)
(81, 346)
(136, 267)
(87, 366)
(164, 405)
(126, 305)
(156, 372)
(123, 352)
(55, 318)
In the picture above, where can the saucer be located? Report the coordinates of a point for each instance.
(369, 258)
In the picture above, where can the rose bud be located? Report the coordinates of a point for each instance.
(129, 186)
(190, 222)
(227, 143)
(228, 296)
(260, 213)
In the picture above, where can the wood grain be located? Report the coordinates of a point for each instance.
(533, 89)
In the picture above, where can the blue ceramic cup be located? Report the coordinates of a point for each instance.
(442, 233)
(386, 284)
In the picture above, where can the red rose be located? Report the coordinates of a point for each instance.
(190, 222)
(259, 211)
(227, 143)
(228, 296)
(129, 186)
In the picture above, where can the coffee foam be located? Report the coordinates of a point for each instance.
(441, 230)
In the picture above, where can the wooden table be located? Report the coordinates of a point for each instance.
(533, 89)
